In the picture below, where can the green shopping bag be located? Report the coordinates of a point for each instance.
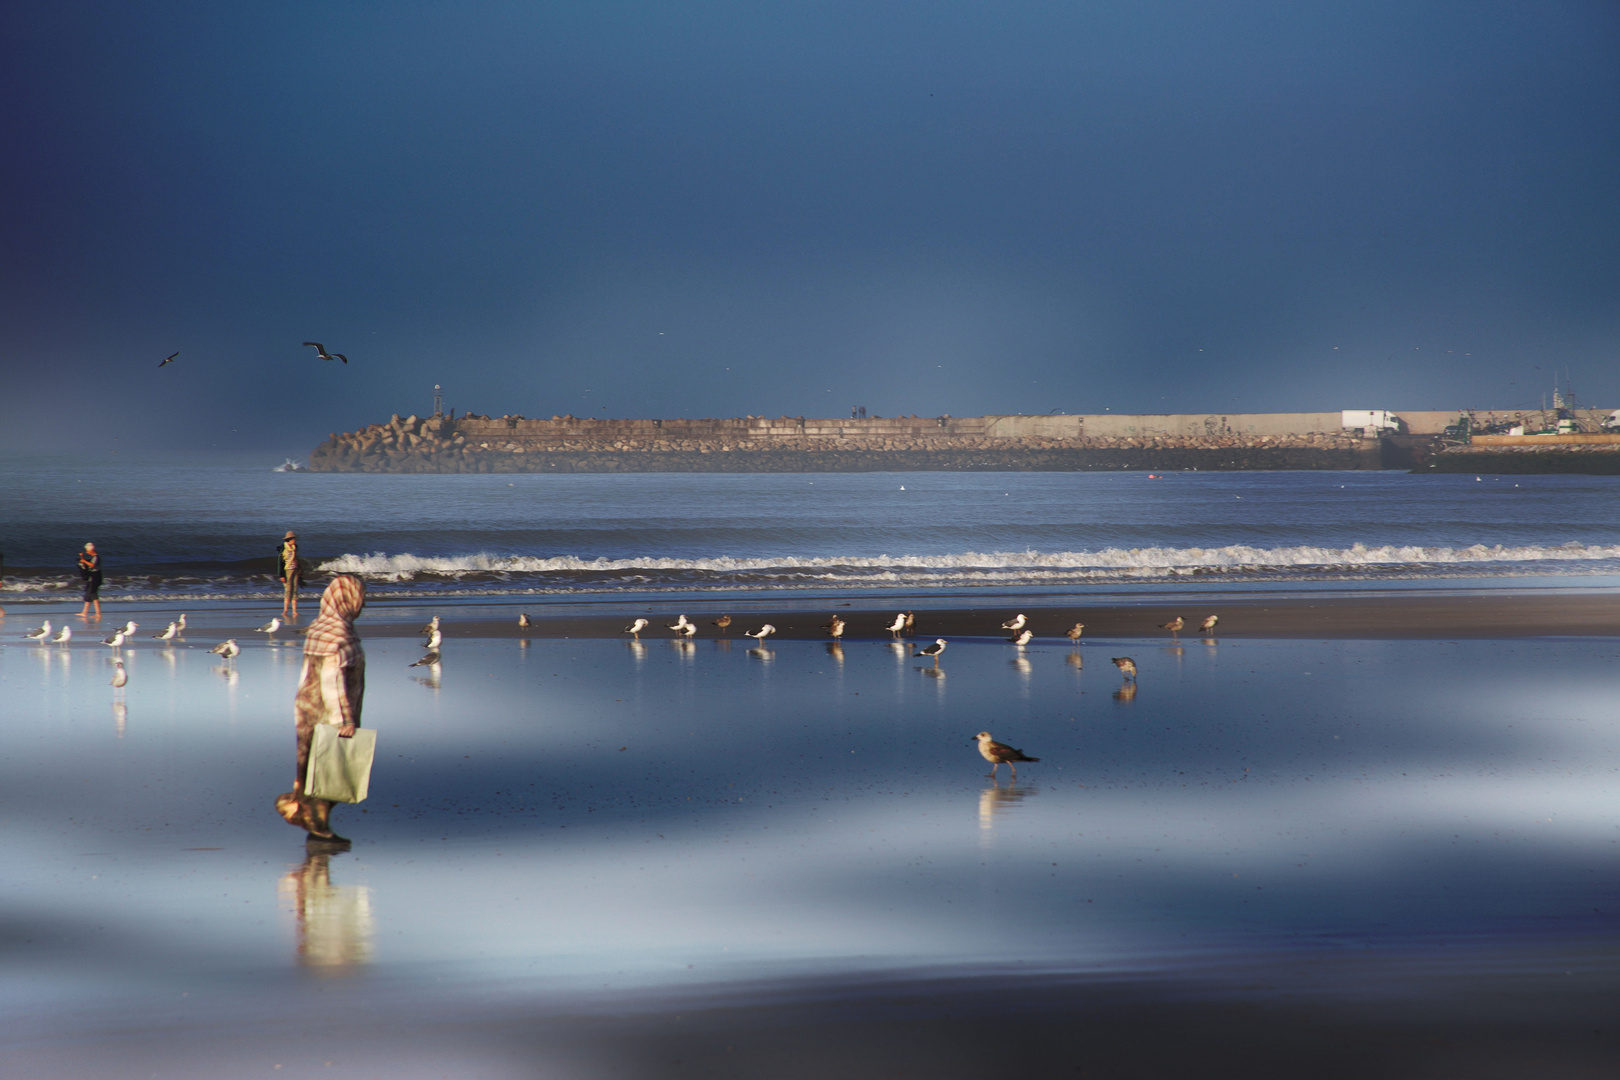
(340, 769)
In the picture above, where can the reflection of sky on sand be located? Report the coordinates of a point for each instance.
(580, 811)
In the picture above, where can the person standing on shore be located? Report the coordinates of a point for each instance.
(90, 571)
(331, 690)
(287, 569)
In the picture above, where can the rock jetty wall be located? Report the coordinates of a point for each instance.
(481, 444)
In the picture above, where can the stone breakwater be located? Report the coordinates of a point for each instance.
(1590, 460)
(477, 444)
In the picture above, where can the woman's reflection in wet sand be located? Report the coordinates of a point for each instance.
(333, 922)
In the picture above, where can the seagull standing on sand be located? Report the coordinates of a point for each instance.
(39, 633)
(762, 633)
(130, 628)
(320, 351)
(635, 628)
(432, 643)
(835, 627)
(933, 650)
(64, 635)
(1127, 666)
(680, 624)
(168, 633)
(898, 625)
(911, 623)
(120, 676)
(689, 630)
(1074, 634)
(1015, 623)
(1208, 624)
(116, 641)
(1022, 639)
(430, 627)
(228, 648)
(1174, 625)
(181, 622)
(523, 621)
(998, 753)
(722, 622)
(270, 627)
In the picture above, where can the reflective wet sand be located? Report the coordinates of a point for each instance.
(605, 857)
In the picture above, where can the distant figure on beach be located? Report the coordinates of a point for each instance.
(287, 569)
(90, 571)
(331, 690)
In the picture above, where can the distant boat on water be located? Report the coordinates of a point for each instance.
(290, 466)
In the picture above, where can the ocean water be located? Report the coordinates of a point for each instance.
(207, 529)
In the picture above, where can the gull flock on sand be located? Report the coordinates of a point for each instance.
(904, 622)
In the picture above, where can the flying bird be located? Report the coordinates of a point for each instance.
(270, 627)
(228, 648)
(430, 660)
(64, 635)
(898, 625)
(1126, 665)
(320, 350)
(39, 633)
(998, 753)
(1015, 623)
(523, 621)
(722, 622)
(1022, 639)
(1074, 634)
(168, 634)
(762, 633)
(932, 650)
(1208, 624)
(1174, 625)
(120, 676)
(636, 628)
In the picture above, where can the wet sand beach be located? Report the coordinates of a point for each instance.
(1347, 836)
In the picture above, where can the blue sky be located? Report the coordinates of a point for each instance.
(641, 209)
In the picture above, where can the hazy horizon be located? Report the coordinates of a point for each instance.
(723, 209)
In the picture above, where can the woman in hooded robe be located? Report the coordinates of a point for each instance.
(330, 691)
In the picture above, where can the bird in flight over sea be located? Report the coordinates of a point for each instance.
(1015, 623)
(39, 633)
(1174, 625)
(1074, 634)
(1022, 639)
(320, 350)
(635, 628)
(762, 633)
(898, 625)
(168, 634)
(166, 359)
(722, 622)
(64, 635)
(1126, 665)
(270, 627)
(120, 676)
(933, 650)
(1208, 623)
(998, 753)
(228, 648)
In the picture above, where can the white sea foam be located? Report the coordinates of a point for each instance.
(997, 564)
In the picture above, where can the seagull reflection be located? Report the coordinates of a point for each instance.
(638, 650)
(227, 672)
(120, 717)
(1022, 665)
(1126, 692)
(901, 651)
(1209, 641)
(762, 653)
(996, 799)
(933, 672)
(431, 680)
(836, 651)
(1075, 660)
(168, 655)
(333, 922)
